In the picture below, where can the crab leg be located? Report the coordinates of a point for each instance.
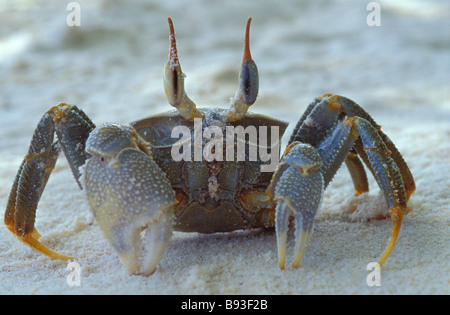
(296, 134)
(352, 161)
(357, 172)
(331, 137)
(385, 169)
(321, 116)
(130, 196)
(384, 161)
(350, 108)
(388, 176)
(72, 127)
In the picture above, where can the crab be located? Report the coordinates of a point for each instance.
(139, 194)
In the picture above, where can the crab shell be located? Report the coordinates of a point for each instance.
(212, 195)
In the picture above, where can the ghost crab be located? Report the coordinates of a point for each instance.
(139, 194)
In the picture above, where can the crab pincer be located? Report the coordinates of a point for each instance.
(297, 188)
(130, 197)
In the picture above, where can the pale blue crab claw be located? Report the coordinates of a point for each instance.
(298, 193)
(130, 196)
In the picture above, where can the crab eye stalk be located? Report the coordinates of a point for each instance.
(248, 76)
(173, 76)
(248, 82)
(174, 82)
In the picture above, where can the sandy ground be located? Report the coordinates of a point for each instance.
(111, 66)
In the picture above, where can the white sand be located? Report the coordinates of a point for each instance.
(111, 67)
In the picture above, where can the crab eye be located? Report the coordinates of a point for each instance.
(173, 83)
(248, 76)
(249, 82)
(173, 76)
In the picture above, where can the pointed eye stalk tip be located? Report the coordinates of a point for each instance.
(247, 55)
(173, 55)
(171, 29)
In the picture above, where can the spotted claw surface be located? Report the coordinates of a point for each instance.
(298, 193)
(130, 196)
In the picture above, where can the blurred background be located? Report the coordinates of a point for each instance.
(111, 66)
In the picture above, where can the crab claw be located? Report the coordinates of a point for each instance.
(297, 189)
(131, 198)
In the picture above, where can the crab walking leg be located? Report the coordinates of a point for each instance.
(385, 169)
(12, 201)
(69, 123)
(351, 109)
(298, 193)
(11, 205)
(321, 126)
(73, 127)
(19, 216)
(388, 176)
(320, 118)
(357, 172)
(296, 134)
(130, 196)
